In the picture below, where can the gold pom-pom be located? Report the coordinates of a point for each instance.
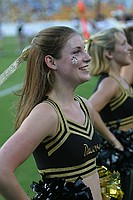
(110, 183)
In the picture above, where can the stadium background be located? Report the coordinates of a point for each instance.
(39, 14)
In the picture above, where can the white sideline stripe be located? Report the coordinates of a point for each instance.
(10, 90)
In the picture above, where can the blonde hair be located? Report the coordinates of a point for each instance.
(96, 46)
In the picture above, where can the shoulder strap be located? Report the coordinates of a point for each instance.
(55, 106)
(83, 105)
(119, 83)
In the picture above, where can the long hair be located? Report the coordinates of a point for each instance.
(39, 78)
(96, 46)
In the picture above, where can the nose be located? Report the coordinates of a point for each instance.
(130, 47)
(87, 57)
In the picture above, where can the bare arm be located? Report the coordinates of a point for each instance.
(20, 146)
(107, 89)
(91, 182)
(102, 129)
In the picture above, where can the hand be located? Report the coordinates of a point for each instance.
(117, 145)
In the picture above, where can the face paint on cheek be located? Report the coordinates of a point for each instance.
(74, 60)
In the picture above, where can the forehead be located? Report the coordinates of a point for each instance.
(74, 41)
(120, 37)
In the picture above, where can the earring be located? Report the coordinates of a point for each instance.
(48, 75)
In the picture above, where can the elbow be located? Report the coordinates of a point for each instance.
(6, 171)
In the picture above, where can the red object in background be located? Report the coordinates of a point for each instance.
(86, 33)
(81, 6)
(121, 7)
(82, 9)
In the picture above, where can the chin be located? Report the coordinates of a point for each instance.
(126, 62)
(85, 80)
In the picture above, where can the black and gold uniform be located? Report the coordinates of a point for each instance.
(120, 109)
(118, 114)
(73, 149)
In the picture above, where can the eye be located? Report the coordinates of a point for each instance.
(76, 52)
(124, 42)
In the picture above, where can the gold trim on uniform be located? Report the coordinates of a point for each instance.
(123, 123)
(118, 101)
(65, 129)
(70, 173)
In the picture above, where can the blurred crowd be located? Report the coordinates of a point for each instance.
(32, 10)
(98, 15)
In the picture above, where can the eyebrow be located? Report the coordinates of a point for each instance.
(77, 47)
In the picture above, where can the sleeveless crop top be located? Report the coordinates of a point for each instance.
(119, 110)
(73, 149)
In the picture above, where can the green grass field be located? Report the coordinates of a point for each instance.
(27, 172)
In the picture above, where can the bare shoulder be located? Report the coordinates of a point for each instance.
(43, 111)
(107, 90)
(41, 122)
(109, 84)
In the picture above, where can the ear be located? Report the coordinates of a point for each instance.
(50, 61)
(108, 54)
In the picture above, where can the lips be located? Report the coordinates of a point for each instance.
(129, 54)
(86, 68)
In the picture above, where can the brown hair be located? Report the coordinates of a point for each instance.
(39, 78)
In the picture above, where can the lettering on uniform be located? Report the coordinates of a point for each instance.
(89, 150)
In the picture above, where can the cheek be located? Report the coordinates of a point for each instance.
(122, 59)
(74, 60)
(70, 61)
(118, 55)
(65, 62)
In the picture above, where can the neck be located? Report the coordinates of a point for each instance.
(115, 71)
(62, 97)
